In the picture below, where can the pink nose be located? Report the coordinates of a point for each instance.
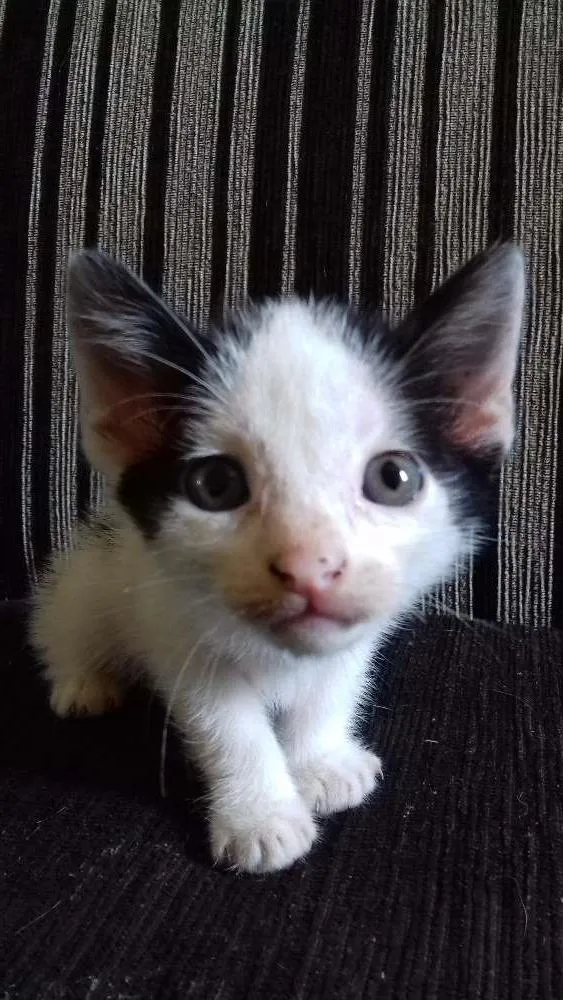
(303, 571)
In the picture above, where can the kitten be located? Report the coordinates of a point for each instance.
(283, 491)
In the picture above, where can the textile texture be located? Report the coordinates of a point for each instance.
(448, 886)
(234, 148)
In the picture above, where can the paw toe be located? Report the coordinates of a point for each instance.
(340, 780)
(268, 843)
(90, 695)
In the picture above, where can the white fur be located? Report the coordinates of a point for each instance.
(269, 720)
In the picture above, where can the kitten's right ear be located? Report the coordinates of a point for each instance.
(462, 349)
(133, 355)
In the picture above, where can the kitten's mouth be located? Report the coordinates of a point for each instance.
(313, 618)
(300, 622)
(303, 625)
(307, 617)
(313, 630)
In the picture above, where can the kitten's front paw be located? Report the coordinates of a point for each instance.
(339, 780)
(87, 695)
(266, 842)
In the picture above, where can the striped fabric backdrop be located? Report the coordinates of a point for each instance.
(228, 148)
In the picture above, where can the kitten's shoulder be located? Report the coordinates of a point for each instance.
(94, 544)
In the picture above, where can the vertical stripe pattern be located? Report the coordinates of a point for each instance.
(293, 146)
(2, 12)
(241, 156)
(403, 159)
(128, 118)
(121, 226)
(194, 123)
(360, 149)
(529, 532)
(464, 139)
(236, 147)
(31, 305)
(70, 236)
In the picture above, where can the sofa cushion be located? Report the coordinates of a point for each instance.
(447, 885)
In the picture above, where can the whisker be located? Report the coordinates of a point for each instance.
(153, 409)
(182, 397)
(130, 314)
(449, 400)
(162, 581)
(432, 374)
(170, 704)
(208, 386)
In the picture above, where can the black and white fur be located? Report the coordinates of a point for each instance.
(257, 624)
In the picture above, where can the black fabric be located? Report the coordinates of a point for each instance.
(448, 886)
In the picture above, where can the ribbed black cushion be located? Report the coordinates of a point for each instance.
(448, 885)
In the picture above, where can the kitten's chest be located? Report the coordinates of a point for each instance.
(282, 680)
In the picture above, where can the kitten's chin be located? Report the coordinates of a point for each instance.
(315, 633)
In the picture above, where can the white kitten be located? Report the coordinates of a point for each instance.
(283, 490)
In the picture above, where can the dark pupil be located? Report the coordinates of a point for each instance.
(217, 479)
(391, 475)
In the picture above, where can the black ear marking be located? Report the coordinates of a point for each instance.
(135, 357)
(461, 346)
(111, 310)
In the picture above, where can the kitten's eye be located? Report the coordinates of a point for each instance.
(216, 483)
(393, 479)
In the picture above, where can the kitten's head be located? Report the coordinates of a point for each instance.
(307, 470)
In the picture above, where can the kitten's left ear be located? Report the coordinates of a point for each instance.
(462, 346)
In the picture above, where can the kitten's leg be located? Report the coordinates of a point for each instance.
(258, 821)
(332, 769)
(71, 630)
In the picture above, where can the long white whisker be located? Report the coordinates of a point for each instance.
(182, 397)
(162, 580)
(208, 386)
(170, 705)
(178, 408)
(449, 400)
(163, 306)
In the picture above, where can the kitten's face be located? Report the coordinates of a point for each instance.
(308, 473)
(325, 538)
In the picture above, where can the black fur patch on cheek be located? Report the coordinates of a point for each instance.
(471, 481)
(146, 490)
